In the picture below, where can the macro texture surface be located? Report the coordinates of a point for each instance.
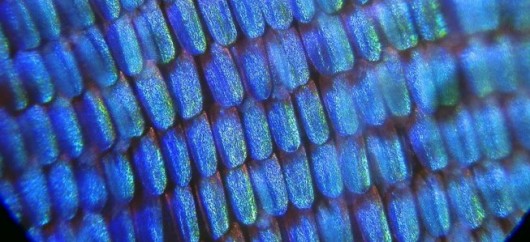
(265, 120)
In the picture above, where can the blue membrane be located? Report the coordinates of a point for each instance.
(326, 44)
(63, 69)
(370, 217)
(149, 165)
(120, 177)
(222, 76)
(486, 15)
(18, 24)
(369, 100)
(124, 46)
(523, 63)
(251, 57)
(241, 195)
(402, 215)
(298, 178)
(283, 124)
(427, 143)
(108, 9)
(287, 60)
(269, 186)
(145, 38)
(11, 200)
(64, 195)
(228, 136)
(397, 24)
(234, 234)
(460, 232)
(392, 84)
(34, 76)
(36, 234)
(176, 158)
(62, 231)
(518, 113)
(184, 20)
(181, 204)
(201, 145)
(325, 169)
(330, 6)
(387, 158)
(93, 228)
(333, 221)
(213, 203)
(460, 138)
(301, 226)
(277, 13)
(492, 183)
(74, 103)
(148, 221)
(266, 229)
(490, 231)
(45, 18)
(303, 10)
(429, 19)
(519, 180)
(12, 147)
(92, 188)
(4, 45)
(94, 57)
(353, 163)
(516, 11)
(502, 64)
(95, 121)
(311, 113)
(256, 128)
(121, 226)
(75, 15)
(124, 109)
(339, 103)
(217, 17)
(38, 135)
(362, 34)
(184, 86)
(433, 205)
(12, 86)
(491, 129)
(154, 97)
(464, 199)
(421, 84)
(476, 69)
(444, 76)
(249, 17)
(153, 33)
(32, 190)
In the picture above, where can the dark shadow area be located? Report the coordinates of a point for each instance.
(10, 229)
(522, 231)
